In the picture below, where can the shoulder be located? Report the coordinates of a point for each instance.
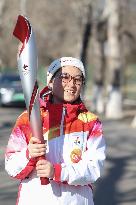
(23, 119)
(87, 117)
(22, 125)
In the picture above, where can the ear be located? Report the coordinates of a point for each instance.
(50, 86)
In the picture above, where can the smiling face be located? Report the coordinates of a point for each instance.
(66, 84)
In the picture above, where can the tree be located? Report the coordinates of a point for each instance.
(99, 38)
(86, 36)
(2, 5)
(114, 60)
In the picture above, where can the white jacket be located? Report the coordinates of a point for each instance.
(76, 147)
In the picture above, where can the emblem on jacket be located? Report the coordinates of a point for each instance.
(76, 153)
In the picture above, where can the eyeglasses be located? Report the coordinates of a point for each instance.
(66, 78)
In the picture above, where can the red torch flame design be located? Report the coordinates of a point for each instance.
(22, 31)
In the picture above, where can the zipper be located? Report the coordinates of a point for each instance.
(62, 121)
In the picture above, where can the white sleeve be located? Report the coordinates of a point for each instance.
(17, 161)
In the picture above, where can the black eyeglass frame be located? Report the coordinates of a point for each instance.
(66, 78)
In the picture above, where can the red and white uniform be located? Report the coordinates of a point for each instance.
(76, 148)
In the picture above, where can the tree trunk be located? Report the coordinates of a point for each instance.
(2, 4)
(133, 124)
(86, 36)
(114, 62)
(85, 41)
(99, 38)
(97, 99)
(99, 76)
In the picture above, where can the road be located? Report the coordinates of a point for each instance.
(8, 186)
(117, 186)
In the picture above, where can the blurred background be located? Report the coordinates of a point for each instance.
(102, 33)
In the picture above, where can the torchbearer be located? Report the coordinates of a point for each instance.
(76, 146)
(27, 65)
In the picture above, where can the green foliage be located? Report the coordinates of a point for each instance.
(129, 87)
(8, 69)
(131, 74)
(41, 75)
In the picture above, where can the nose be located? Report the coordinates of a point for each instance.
(71, 81)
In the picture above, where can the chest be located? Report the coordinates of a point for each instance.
(67, 148)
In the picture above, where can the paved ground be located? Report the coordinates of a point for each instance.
(118, 183)
(8, 186)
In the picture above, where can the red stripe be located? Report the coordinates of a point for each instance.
(33, 97)
(27, 170)
(57, 174)
(19, 190)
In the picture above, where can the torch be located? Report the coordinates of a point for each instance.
(27, 65)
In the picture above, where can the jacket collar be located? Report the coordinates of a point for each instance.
(72, 110)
